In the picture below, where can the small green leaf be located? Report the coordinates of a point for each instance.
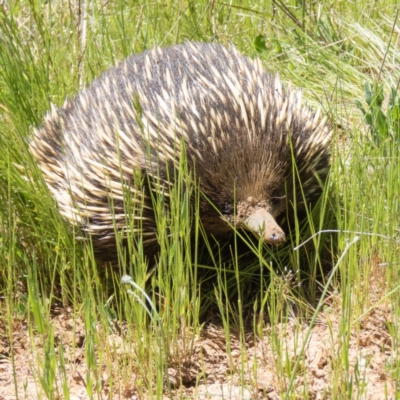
(367, 93)
(278, 47)
(395, 113)
(392, 98)
(360, 107)
(381, 124)
(379, 97)
(259, 43)
(368, 119)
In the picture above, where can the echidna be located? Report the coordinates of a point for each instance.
(240, 129)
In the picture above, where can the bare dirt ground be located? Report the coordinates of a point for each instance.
(256, 373)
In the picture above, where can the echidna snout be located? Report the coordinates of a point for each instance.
(262, 223)
(258, 217)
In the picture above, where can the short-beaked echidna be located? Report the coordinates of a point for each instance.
(241, 131)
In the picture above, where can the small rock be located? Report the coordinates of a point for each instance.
(218, 391)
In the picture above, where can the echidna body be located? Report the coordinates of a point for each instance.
(239, 128)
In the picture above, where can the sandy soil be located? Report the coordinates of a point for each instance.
(255, 373)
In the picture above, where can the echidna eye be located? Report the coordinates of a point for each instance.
(227, 208)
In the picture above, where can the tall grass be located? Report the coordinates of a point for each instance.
(50, 50)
